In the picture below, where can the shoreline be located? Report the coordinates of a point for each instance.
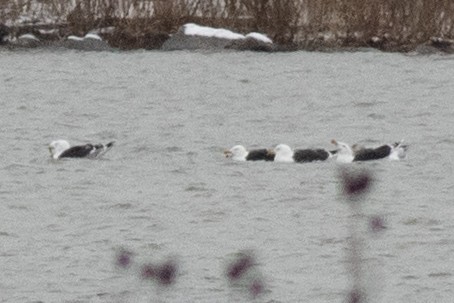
(120, 38)
(421, 26)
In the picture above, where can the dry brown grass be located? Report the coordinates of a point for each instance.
(336, 22)
(406, 21)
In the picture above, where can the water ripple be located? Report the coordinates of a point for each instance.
(168, 183)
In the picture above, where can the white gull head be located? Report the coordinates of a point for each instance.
(344, 152)
(283, 153)
(57, 147)
(237, 153)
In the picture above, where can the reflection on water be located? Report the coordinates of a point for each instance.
(166, 189)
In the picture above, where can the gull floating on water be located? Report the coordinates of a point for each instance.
(285, 154)
(346, 153)
(62, 149)
(240, 153)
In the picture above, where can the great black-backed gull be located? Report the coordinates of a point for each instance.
(285, 154)
(240, 153)
(345, 153)
(61, 149)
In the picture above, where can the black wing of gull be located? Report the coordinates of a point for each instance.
(260, 154)
(367, 154)
(86, 151)
(310, 155)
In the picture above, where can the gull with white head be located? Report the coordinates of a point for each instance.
(347, 154)
(240, 153)
(284, 153)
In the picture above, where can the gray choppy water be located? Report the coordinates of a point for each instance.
(165, 189)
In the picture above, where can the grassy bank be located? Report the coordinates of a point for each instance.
(306, 23)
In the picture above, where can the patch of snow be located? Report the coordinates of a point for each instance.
(75, 38)
(192, 29)
(87, 36)
(92, 36)
(259, 37)
(28, 37)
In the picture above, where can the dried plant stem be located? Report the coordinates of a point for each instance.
(355, 252)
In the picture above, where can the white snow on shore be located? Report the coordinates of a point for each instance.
(192, 29)
(75, 38)
(87, 36)
(260, 37)
(92, 36)
(29, 37)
